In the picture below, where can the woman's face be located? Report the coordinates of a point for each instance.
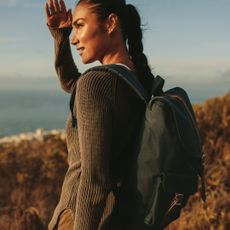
(90, 36)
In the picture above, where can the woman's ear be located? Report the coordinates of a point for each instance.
(111, 23)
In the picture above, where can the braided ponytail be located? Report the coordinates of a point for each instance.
(133, 33)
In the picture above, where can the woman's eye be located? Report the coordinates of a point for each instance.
(79, 25)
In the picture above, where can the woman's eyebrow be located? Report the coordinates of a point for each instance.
(74, 23)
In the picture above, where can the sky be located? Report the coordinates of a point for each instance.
(186, 41)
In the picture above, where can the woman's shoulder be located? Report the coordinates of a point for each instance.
(95, 77)
(102, 80)
(96, 83)
(103, 74)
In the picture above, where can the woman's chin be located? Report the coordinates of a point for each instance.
(84, 62)
(87, 61)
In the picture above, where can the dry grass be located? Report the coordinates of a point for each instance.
(31, 176)
(213, 118)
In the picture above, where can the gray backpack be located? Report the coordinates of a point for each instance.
(170, 158)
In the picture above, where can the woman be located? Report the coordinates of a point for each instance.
(98, 191)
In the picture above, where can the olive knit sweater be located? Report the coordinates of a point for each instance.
(100, 149)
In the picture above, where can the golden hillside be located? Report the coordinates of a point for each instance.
(213, 118)
(32, 171)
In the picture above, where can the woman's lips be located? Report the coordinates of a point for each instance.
(80, 50)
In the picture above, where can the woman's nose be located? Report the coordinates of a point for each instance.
(74, 39)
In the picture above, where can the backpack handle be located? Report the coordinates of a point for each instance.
(157, 88)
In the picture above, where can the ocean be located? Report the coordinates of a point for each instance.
(27, 105)
(27, 111)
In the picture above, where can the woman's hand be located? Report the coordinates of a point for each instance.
(56, 14)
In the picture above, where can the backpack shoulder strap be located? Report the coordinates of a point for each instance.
(126, 75)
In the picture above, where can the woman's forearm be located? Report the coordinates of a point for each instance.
(64, 63)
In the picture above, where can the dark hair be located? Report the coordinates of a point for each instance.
(130, 22)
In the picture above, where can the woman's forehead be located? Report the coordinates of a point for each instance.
(83, 11)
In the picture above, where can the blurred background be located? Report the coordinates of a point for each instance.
(186, 42)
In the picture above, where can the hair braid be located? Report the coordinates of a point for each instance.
(135, 46)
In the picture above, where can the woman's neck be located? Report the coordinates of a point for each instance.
(118, 55)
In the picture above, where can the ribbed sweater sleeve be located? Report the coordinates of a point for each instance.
(94, 113)
(64, 63)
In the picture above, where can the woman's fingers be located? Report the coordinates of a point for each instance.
(47, 11)
(69, 16)
(56, 14)
(56, 6)
(63, 7)
(51, 5)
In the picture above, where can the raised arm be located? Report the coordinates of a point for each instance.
(59, 21)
